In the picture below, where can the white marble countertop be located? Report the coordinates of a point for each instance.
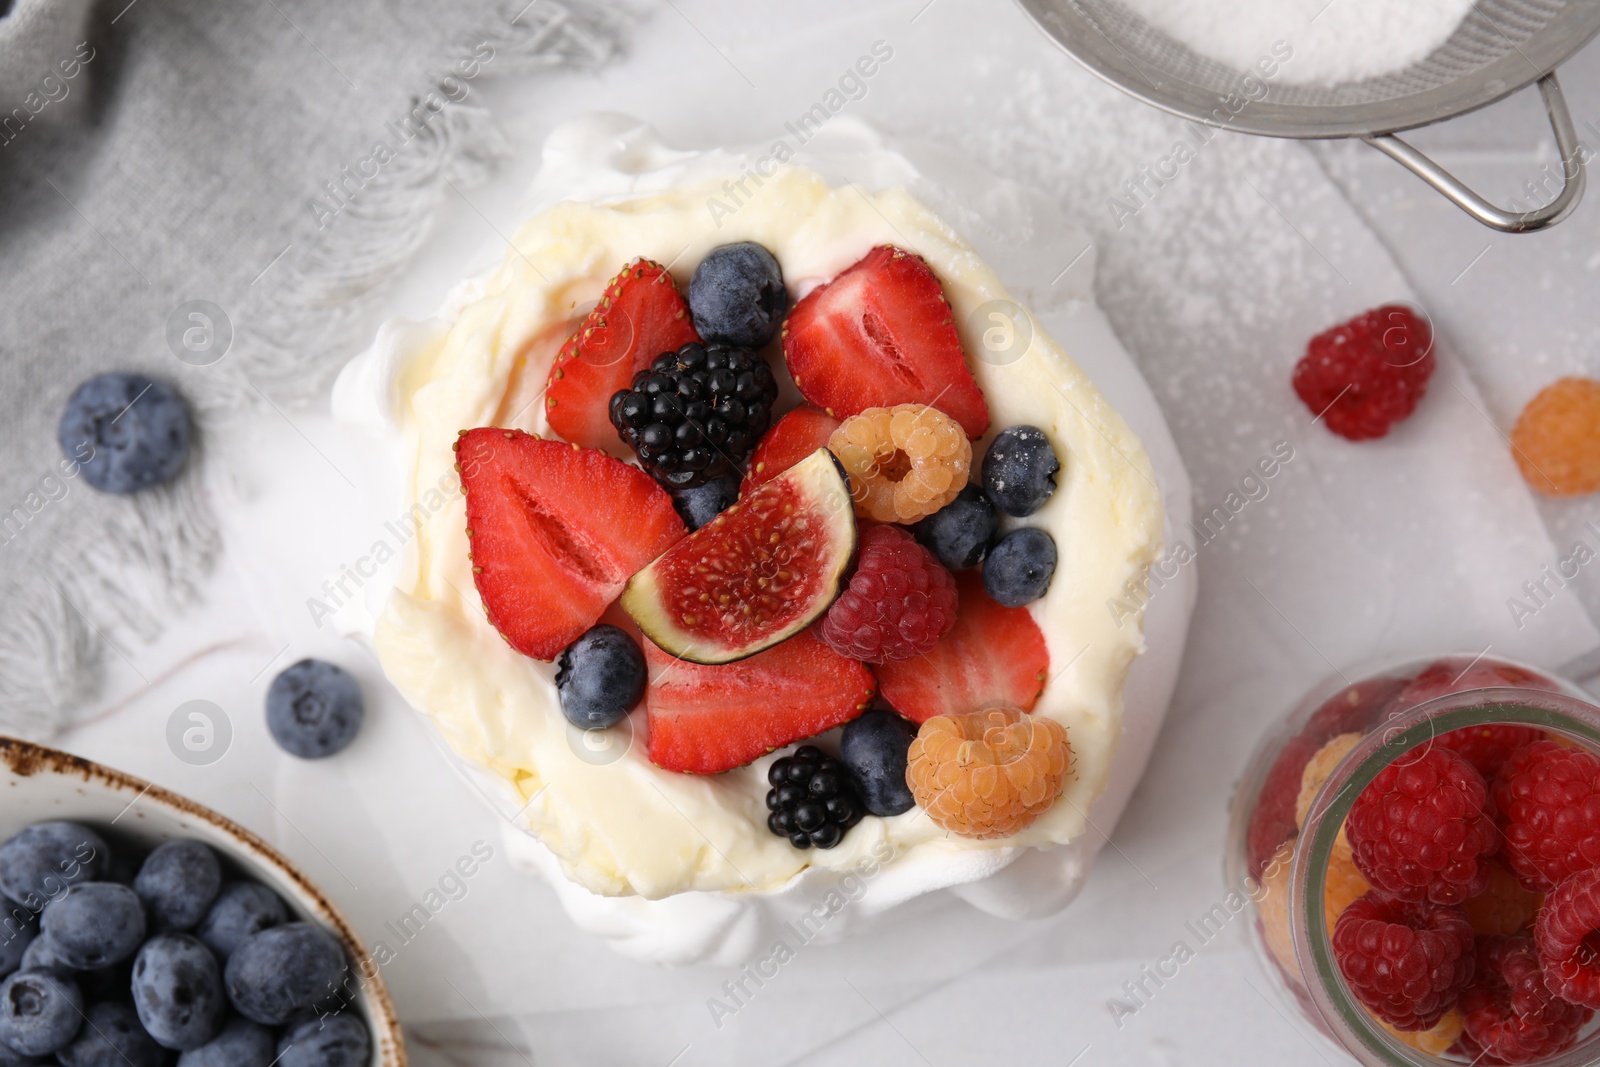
(1356, 555)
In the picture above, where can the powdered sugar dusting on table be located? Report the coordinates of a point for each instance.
(1334, 41)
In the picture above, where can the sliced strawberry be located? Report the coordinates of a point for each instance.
(881, 334)
(640, 316)
(556, 532)
(709, 719)
(993, 656)
(791, 439)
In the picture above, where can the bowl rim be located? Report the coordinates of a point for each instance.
(26, 759)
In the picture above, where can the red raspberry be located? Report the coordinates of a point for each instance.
(1509, 1008)
(1407, 961)
(1548, 797)
(1420, 828)
(1567, 932)
(900, 601)
(1367, 374)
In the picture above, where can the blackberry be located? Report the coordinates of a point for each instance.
(812, 799)
(695, 414)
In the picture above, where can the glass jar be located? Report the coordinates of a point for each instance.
(1286, 834)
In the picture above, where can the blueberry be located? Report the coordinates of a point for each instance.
(1019, 567)
(177, 883)
(112, 1038)
(599, 677)
(241, 1043)
(1019, 471)
(700, 505)
(95, 925)
(873, 746)
(43, 955)
(10, 1057)
(737, 296)
(959, 533)
(177, 988)
(278, 971)
(328, 1041)
(17, 931)
(314, 709)
(242, 909)
(40, 1011)
(38, 864)
(127, 431)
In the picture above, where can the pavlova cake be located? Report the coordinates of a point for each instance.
(770, 551)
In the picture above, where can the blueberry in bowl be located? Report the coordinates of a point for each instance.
(172, 962)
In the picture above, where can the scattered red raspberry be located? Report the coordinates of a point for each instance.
(1367, 374)
(1567, 932)
(1548, 798)
(1509, 1009)
(899, 603)
(1420, 828)
(1407, 961)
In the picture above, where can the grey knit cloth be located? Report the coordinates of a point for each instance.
(215, 194)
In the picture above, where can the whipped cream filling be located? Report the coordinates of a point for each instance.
(616, 824)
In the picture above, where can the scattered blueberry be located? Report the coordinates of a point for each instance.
(599, 678)
(95, 925)
(700, 505)
(329, 1041)
(242, 909)
(812, 800)
(1019, 471)
(278, 971)
(873, 747)
(38, 864)
(959, 533)
(737, 296)
(177, 988)
(40, 1011)
(112, 1038)
(177, 883)
(1019, 567)
(314, 709)
(127, 431)
(17, 932)
(241, 1043)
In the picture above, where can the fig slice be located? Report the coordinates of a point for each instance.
(760, 572)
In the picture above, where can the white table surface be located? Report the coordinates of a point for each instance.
(1321, 574)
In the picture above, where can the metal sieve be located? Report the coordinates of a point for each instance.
(1501, 46)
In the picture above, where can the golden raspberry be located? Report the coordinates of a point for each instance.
(1317, 771)
(904, 462)
(1311, 779)
(1274, 905)
(1556, 441)
(1505, 907)
(1435, 1041)
(987, 773)
(1344, 886)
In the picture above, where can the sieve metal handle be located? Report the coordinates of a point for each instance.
(1457, 192)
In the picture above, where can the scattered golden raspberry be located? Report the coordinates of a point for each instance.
(1435, 1041)
(987, 773)
(1505, 907)
(904, 462)
(1556, 441)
